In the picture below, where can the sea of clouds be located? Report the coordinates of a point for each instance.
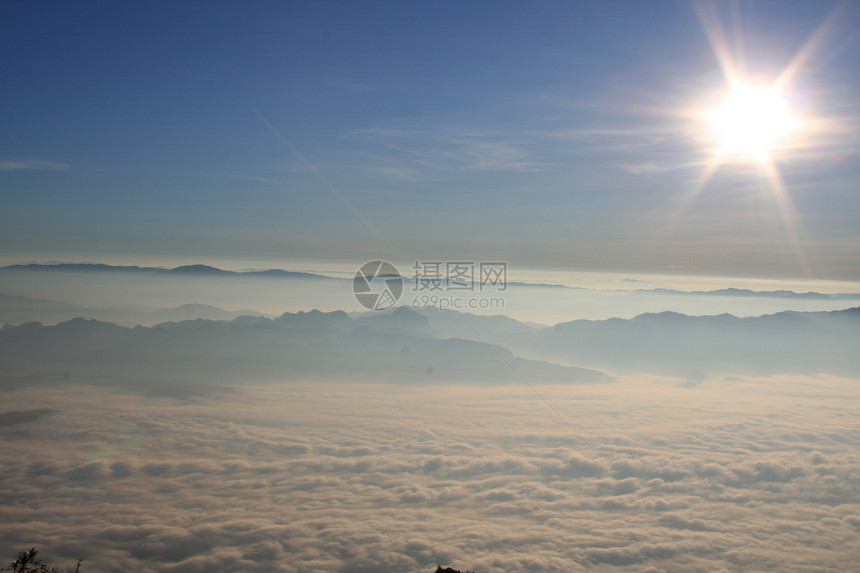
(731, 475)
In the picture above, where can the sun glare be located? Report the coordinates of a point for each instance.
(751, 121)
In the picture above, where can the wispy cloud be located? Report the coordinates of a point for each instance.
(31, 165)
(235, 176)
(459, 148)
(640, 168)
(347, 85)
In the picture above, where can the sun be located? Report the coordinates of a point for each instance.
(751, 122)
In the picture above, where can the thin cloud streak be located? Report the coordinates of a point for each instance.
(325, 181)
(31, 165)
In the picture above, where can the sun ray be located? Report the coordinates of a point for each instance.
(754, 125)
(810, 47)
(788, 215)
(710, 22)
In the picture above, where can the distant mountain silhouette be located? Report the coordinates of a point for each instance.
(278, 273)
(406, 346)
(203, 340)
(195, 311)
(79, 267)
(676, 344)
(197, 270)
(673, 343)
(19, 309)
(200, 270)
(301, 346)
(186, 270)
(736, 292)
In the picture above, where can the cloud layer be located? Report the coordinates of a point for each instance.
(730, 475)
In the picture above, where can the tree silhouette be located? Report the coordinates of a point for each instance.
(29, 562)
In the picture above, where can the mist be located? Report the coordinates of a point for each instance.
(146, 295)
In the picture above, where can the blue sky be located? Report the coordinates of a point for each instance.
(555, 135)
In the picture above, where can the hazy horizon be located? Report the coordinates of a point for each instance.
(125, 298)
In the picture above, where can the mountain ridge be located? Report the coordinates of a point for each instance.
(187, 270)
(310, 345)
(202, 270)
